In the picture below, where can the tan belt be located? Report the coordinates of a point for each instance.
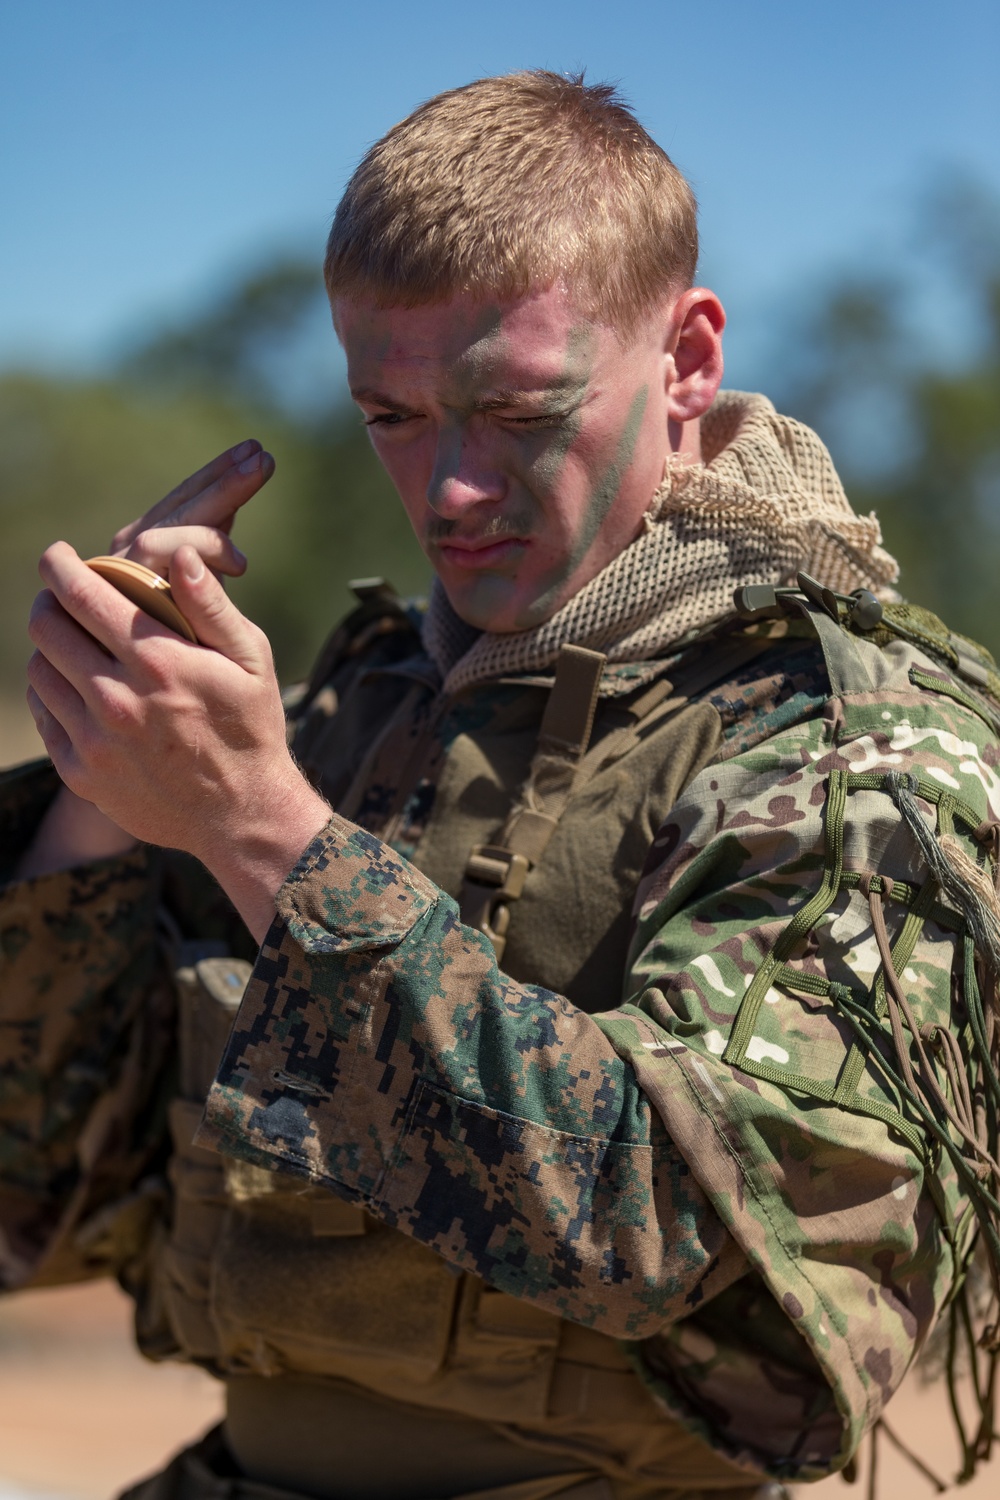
(333, 1441)
(206, 1471)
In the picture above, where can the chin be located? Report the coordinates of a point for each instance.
(506, 620)
(504, 603)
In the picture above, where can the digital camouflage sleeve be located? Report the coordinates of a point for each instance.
(87, 1040)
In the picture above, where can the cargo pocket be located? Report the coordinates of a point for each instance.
(503, 1356)
(305, 1283)
(516, 1203)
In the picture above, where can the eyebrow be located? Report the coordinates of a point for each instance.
(377, 398)
(497, 400)
(511, 397)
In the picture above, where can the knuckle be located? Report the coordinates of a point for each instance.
(146, 543)
(42, 619)
(158, 665)
(78, 594)
(215, 606)
(113, 704)
(123, 536)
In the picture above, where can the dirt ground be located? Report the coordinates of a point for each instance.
(82, 1415)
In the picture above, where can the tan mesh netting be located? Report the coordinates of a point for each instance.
(764, 505)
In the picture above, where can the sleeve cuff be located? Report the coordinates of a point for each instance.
(350, 891)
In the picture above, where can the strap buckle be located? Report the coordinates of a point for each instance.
(493, 877)
(504, 871)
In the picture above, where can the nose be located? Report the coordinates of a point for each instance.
(463, 475)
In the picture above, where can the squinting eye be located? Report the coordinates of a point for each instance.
(546, 419)
(386, 419)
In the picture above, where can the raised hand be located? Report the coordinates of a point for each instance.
(156, 739)
(177, 744)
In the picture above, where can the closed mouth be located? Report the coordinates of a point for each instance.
(479, 553)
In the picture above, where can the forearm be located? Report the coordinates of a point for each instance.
(380, 1051)
(71, 832)
(252, 861)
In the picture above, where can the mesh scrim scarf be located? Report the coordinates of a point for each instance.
(765, 504)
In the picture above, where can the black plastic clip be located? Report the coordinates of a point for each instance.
(764, 601)
(866, 612)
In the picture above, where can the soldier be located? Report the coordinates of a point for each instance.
(610, 1106)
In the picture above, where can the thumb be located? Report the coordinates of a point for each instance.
(214, 617)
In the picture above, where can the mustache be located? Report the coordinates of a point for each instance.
(497, 526)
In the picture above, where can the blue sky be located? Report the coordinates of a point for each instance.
(150, 150)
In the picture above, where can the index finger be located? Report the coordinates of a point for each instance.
(189, 489)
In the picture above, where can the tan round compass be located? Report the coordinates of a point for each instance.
(144, 588)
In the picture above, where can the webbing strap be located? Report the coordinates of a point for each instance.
(564, 761)
(800, 925)
(568, 719)
(845, 666)
(495, 873)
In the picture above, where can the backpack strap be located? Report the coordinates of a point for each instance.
(565, 760)
(379, 611)
(495, 873)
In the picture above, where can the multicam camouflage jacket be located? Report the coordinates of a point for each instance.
(745, 1132)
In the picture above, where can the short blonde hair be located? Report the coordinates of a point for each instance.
(512, 184)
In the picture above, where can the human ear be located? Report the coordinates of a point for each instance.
(694, 369)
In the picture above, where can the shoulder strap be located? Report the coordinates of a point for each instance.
(495, 873)
(564, 761)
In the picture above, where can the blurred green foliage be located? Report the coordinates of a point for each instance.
(900, 373)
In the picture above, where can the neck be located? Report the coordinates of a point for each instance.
(684, 439)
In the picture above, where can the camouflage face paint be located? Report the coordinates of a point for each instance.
(555, 444)
(538, 464)
(599, 504)
(511, 434)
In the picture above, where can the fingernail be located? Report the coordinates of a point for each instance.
(243, 450)
(194, 568)
(250, 465)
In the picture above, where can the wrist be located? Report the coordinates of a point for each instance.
(253, 863)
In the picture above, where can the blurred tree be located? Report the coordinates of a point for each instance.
(914, 423)
(244, 345)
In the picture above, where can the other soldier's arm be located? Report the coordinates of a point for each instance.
(81, 1029)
